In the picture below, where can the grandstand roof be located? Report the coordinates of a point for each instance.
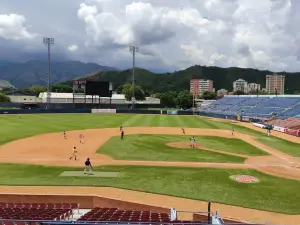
(70, 95)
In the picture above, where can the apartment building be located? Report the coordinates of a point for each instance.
(240, 85)
(198, 86)
(253, 87)
(275, 84)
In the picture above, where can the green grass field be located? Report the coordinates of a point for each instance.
(154, 148)
(201, 184)
(272, 193)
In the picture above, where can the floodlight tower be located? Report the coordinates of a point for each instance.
(49, 42)
(133, 50)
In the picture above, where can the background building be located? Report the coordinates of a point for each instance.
(198, 86)
(275, 84)
(253, 87)
(222, 92)
(240, 85)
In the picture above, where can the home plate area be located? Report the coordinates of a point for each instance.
(89, 174)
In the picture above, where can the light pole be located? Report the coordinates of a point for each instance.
(133, 50)
(49, 42)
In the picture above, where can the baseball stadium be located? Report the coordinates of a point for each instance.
(241, 167)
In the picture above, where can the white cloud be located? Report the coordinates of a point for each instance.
(73, 48)
(12, 27)
(262, 34)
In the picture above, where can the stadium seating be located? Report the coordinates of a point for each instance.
(290, 123)
(263, 106)
(114, 214)
(36, 211)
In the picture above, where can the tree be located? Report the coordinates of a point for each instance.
(138, 92)
(185, 99)
(35, 90)
(209, 95)
(238, 92)
(4, 98)
(156, 95)
(62, 88)
(169, 99)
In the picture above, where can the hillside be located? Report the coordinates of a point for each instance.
(5, 84)
(35, 72)
(179, 80)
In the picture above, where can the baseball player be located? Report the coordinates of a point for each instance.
(122, 134)
(74, 153)
(65, 134)
(121, 127)
(81, 137)
(232, 131)
(183, 131)
(88, 166)
(193, 142)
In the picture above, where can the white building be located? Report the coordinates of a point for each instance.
(253, 87)
(240, 85)
(115, 99)
(275, 84)
(222, 92)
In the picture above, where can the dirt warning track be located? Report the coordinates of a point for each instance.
(53, 150)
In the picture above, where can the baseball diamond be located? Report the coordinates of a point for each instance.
(154, 160)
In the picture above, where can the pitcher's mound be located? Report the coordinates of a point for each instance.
(89, 174)
(184, 145)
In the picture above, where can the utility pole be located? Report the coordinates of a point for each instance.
(49, 42)
(133, 50)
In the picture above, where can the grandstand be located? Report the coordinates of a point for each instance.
(64, 213)
(267, 106)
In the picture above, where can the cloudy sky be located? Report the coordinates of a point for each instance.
(171, 34)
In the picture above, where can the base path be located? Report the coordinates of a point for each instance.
(227, 211)
(53, 150)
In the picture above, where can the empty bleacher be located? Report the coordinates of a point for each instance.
(36, 211)
(114, 214)
(256, 106)
(291, 123)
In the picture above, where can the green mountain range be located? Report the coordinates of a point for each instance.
(35, 72)
(179, 80)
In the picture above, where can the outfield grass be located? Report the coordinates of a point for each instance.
(272, 193)
(154, 148)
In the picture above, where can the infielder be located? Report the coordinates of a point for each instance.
(183, 131)
(81, 137)
(74, 153)
(65, 134)
(192, 140)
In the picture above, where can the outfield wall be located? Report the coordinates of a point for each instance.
(103, 111)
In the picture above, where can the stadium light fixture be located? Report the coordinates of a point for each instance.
(133, 50)
(48, 42)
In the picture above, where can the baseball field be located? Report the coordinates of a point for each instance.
(155, 162)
